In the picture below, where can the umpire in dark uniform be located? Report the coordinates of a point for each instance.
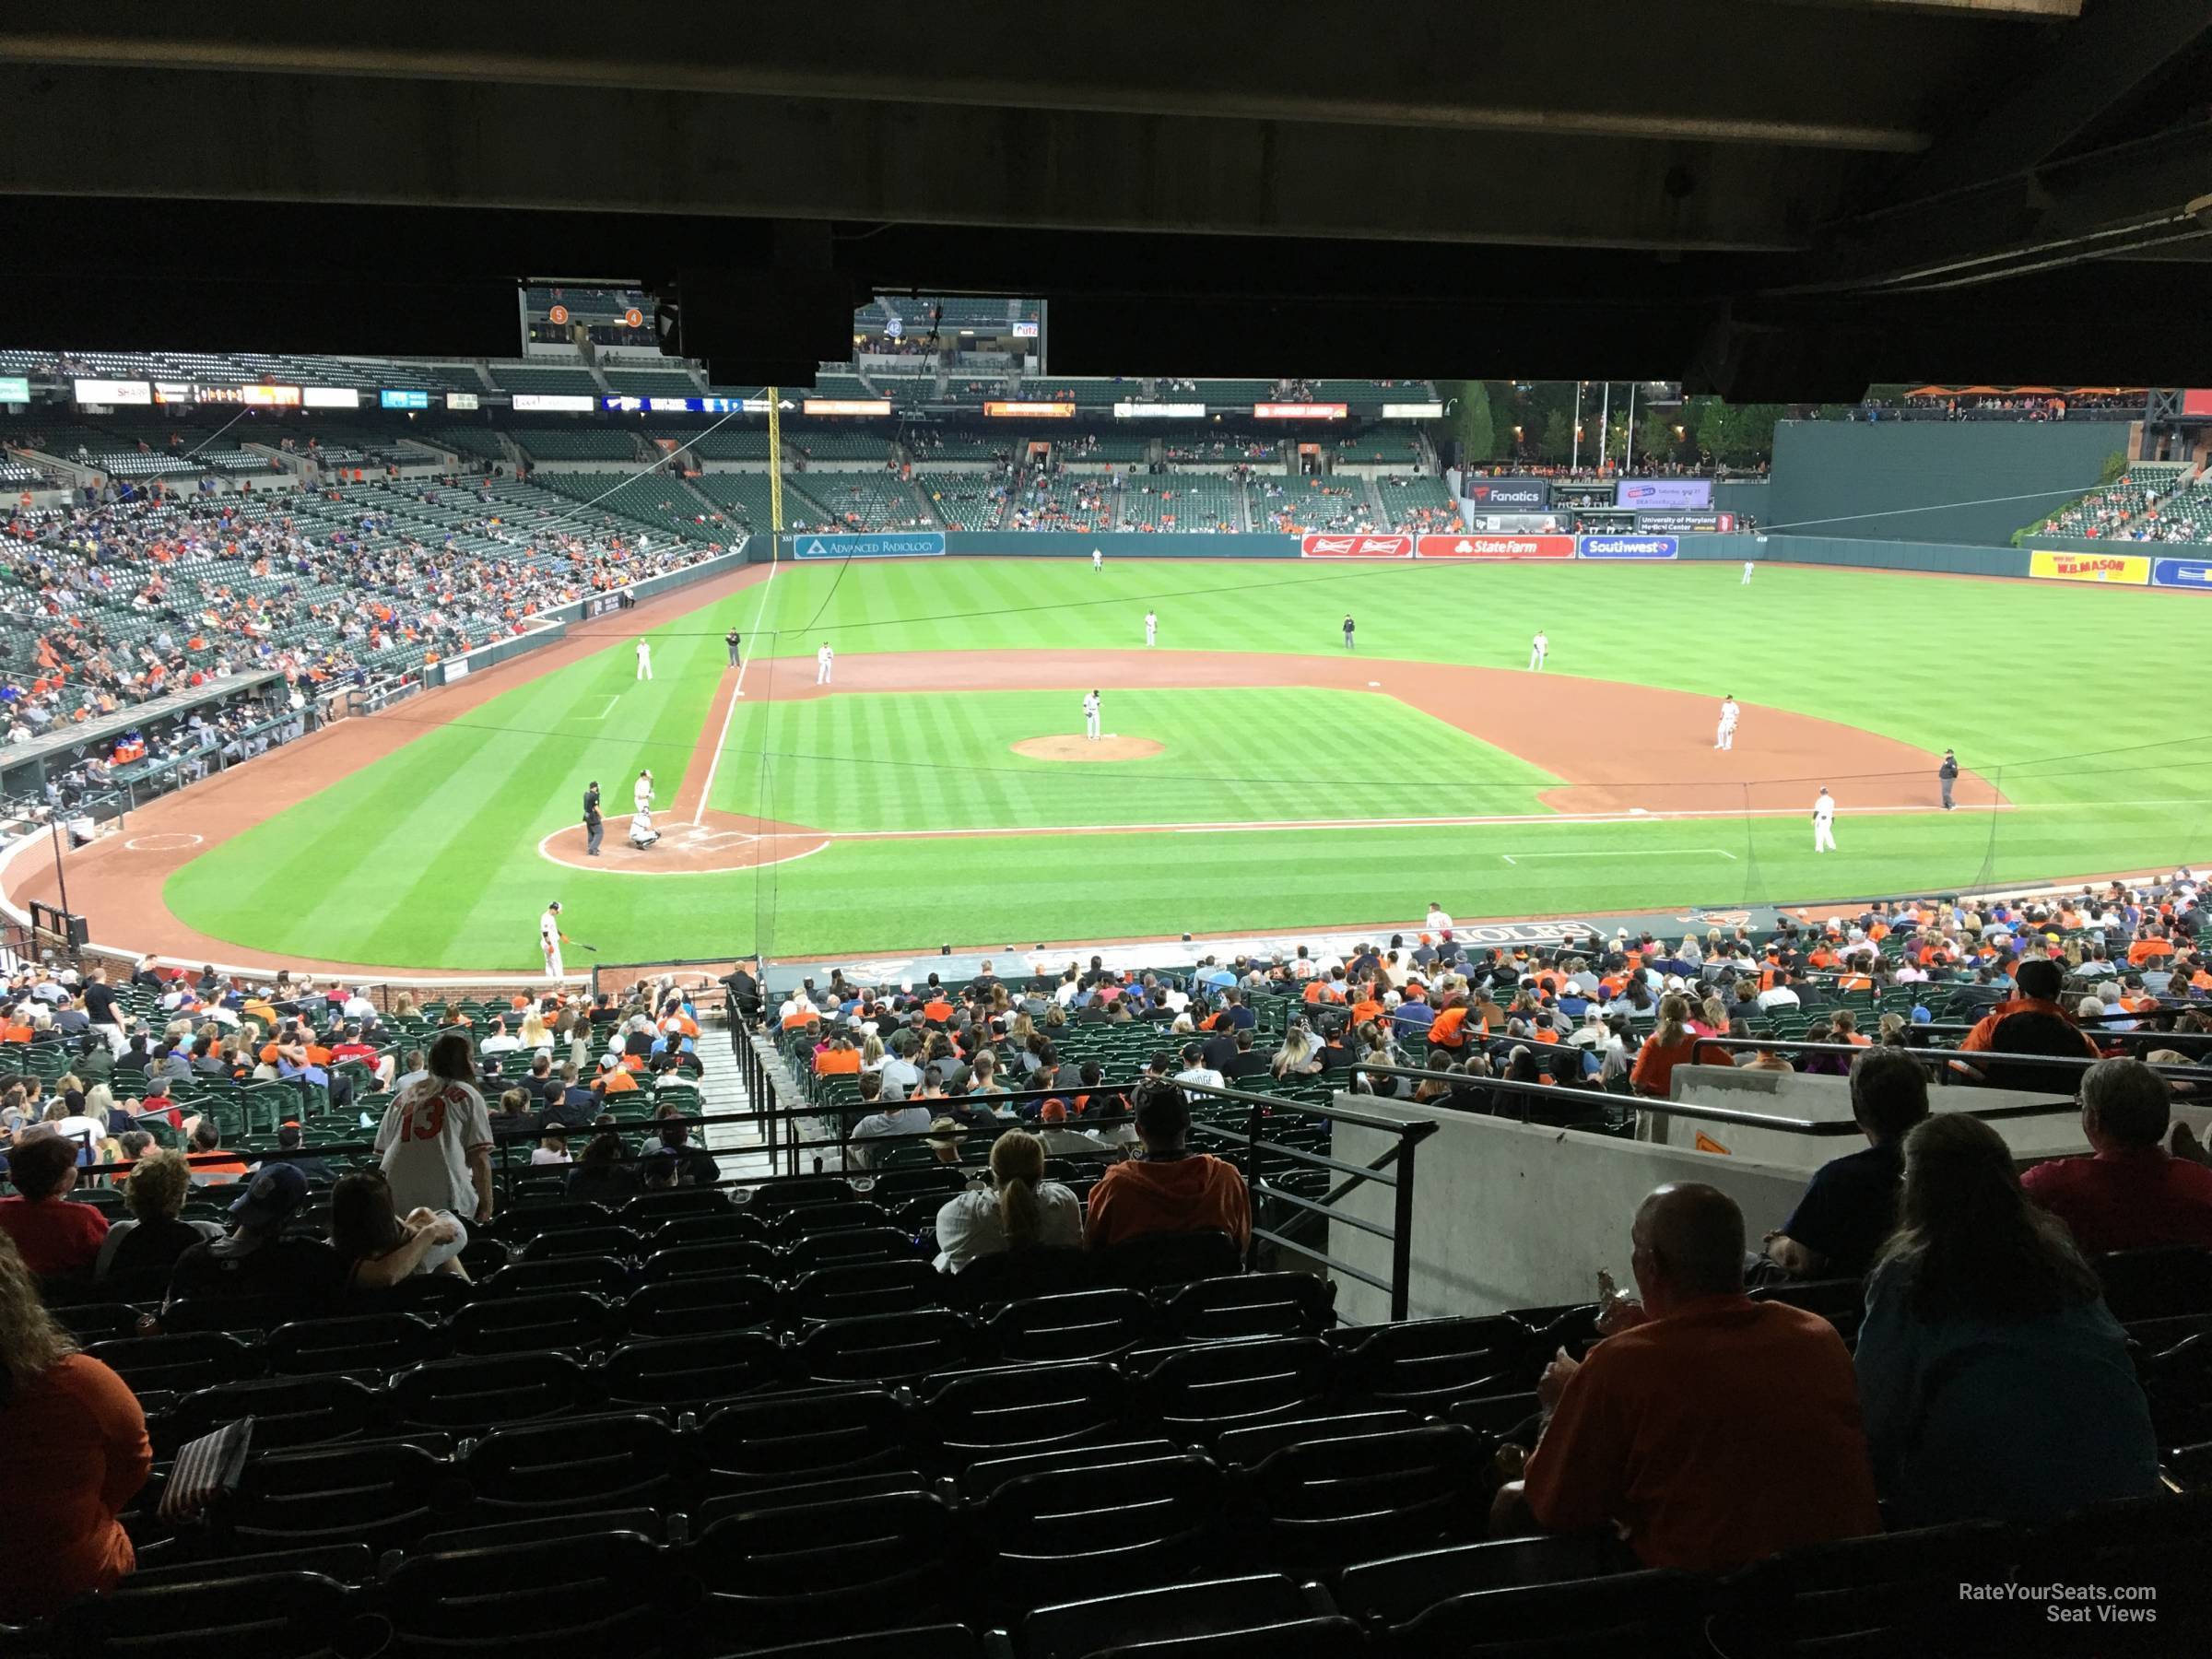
(594, 827)
(730, 640)
(1948, 774)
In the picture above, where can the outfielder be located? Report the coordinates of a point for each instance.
(1726, 738)
(1151, 628)
(1098, 558)
(550, 939)
(1747, 581)
(823, 659)
(1538, 648)
(1090, 715)
(644, 661)
(1824, 822)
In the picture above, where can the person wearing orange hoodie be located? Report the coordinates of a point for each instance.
(1168, 1188)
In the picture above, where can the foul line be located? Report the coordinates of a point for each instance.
(1512, 858)
(1635, 815)
(744, 660)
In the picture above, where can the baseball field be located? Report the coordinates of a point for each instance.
(1251, 774)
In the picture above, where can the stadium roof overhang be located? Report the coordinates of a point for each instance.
(1768, 197)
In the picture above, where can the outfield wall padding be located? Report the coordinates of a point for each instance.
(1931, 481)
(1949, 558)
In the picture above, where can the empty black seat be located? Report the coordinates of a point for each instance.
(601, 1275)
(922, 1641)
(700, 1304)
(1079, 1324)
(384, 1496)
(856, 1287)
(522, 1222)
(603, 1593)
(828, 1567)
(688, 1370)
(882, 1347)
(892, 1188)
(624, 1462)
(1393, 1590)
(1901, 1589)
(1009, 1410)
(181, 1362)
(651, 1210)
(2156, 1284)
(1212, 1608)
(513, 1324)
(714, 1226)
(1017, 1275)
(1331, 1500)
(1653, 1612)
(1429, 1364)
(1217, 1385)
(1119, 1526)
(804, 1220)
(723, 1257)
(785, 1191)
(847, 1244)
(1248, 1446)
(271, 1616)
(287, 1411)
(786, 1439)
(1251, 1304)
(486, 1391)
(609, 1241)
(366, 1342)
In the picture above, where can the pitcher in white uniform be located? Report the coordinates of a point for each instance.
(1090, 715)
(1824, 822)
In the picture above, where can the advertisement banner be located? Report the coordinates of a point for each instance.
(556, 403)
(2182, 574)
(1311, 411)
(1509, 494)
(1496, 547)
(330, 397)
(2130, 568)
(1030, 411)
(1142, 411)
(461, 400)
(1509, 523)
(1664, 492)
(113, 392)
(851, 406)
(887, 544)
(1413, 411)
(1323, 544)
(1630, 547)
(15, 388)
(403, 400)
(1688, 521)
(2196, 400)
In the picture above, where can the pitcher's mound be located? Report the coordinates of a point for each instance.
(1070, 747)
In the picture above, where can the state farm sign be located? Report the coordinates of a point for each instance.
(1321, 545)
(1496, 547)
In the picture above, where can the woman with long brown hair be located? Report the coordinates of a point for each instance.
(1995, 1383)
(73, 1453)
(1671, 1043)
(1022, 1210)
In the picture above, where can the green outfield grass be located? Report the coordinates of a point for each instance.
(2065, 694)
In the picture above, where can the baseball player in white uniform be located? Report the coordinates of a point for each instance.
(1747, 581)
(641, 797)
(1537, 649)
(1726, 738)
(644, 660)
(1098, 558)
(550, 938)
(1090, 715)
(823, 659)
(1152, 627)
(1824, 822)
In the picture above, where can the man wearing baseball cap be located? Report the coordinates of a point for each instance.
(257, 1259)
(1168, 1188)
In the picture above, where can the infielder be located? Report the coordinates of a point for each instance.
(1747, 581)
(550, 939)
(1090, 715)
(1726, 738)
(1824, 822)
(823, 659)
(644, 661)
(1151, 628)
(1538, 648)
(1098, 558)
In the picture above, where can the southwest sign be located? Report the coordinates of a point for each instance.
(1496, 547)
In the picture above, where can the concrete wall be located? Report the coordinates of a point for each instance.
(1512, 1216)
(1908, 480)
(1828, 1101)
